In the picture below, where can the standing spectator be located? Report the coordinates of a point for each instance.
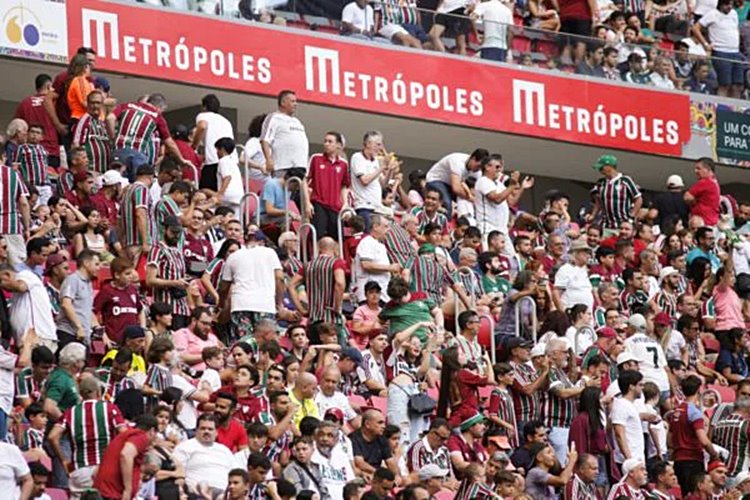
(324, 278)
(724, 46)
(671, 205)
(166, 274)
(576, 18)
(527, 381)
(626, 420)
(448, 175)
(31, 110)
(450, 20)
(118, 304)
(496, 18)
(572, 283)
(283, 137)
(16, 133)
(210, 126)
(371, 170)
(196, 248)
(15, 214)
(703, 196)
(328, 183)
(30, 306)
(78, 86)
(91, 134)
(90, 425)
(139, 129)
(32, 163)
(371, 262)
(649, 353)
(229, 179)
(253, 281)
(77, 301)
(169, 206)
(616, 196)
(491, 197)
(14, 472)
(119, 474)
(135, 230)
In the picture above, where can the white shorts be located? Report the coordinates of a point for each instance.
(390, 30)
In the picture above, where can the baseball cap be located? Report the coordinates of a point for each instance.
(667, 271)
(605, 160)
(111, 178)
(172, 222)
(675, 181)
(738, 480)
(335, 414)
(538, 350)
(662, 319)
(81, 176)
(501, 442)
(53, 261)
(606, 332)
(134, 332)
(353, 354)
(519, 342)
(431, 471)
(470, 422)
(630, 465)
(625, 357)
(715, 464)
(638, 322)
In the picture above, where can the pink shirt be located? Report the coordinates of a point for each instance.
(365, 314)
(728, 309)
(186, 341)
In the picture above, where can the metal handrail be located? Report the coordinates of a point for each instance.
(303, 240)
(243, 165)
(493, 353)
(534, 325)
(456, 300)
(340, 228)
(196, 176)
(287, 198)
(243, 210)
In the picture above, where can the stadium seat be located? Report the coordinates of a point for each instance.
(710, 343)
(521, 44)
(57, 494)
(255, 186)
(380, 404)
(727, 394)
(485, 332)
(318, 21)
(549, 48)
(250, 208)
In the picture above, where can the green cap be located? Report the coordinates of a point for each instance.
(603, 161)
(427, 248)
(472, 421)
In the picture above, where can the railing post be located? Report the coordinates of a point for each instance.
(305, 230)
(243, 210)
(468, 271)
(287, 197)
(340, 228)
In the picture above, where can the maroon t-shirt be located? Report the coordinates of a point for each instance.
(118, 307)
(32, 111)
(327, 177)
(574, 10)
(108, 480)
(685, 420)
(108, 209)
(196, 249)
(61, 105)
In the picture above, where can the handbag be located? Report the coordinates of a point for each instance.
(419, 403)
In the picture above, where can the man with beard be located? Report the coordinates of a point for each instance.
(189, 342)
(492, 281)
(229, 431)
(166, 275)
(279, 424)
(335, 468)
(634, 477)
(523, 254)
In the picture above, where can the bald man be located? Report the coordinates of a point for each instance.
(325, 281)
(370, 447)
(329, 396)
(302, 395)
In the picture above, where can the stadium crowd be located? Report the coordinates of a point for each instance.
(339, 327)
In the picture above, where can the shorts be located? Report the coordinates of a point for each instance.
(456, 23)
(390, 30)
(730, 68)
(494, 54)
(417, 31)
(572, 27)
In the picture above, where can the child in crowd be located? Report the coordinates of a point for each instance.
(365, 319)
(211, 378)
(501, 412)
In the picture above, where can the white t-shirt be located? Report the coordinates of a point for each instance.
(703, 7)
(212, 378)
(625, 413)
(358, 17)
(228, 168)
(288, 140)
(252, 271)
(338, 400)
(205, 464)
(370, 249)
(723, 30)
(676, 345)
(371, 195)
(7, 387)
(335, 472)
(254, 152)
(490, 216)
(188, 415)
(496, 18)
(217, 127)
(576, 286)
(451, 5)
(651, 359)
(454, 163)
(741, 258)
(32, 308)
(12, 468)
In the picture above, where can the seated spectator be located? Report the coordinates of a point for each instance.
(637, 72)
(358, 20)
(660, 77)
(399, 22)
(207, 462)
(592, 64)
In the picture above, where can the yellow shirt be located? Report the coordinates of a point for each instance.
(307, 408)
(138, 365)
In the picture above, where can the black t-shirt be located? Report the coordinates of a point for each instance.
(373, 452)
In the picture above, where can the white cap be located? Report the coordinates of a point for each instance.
(538, 350)
(675, 181)
(630, 465)
(625, 357)
(638, 322)
(741, 478)
(667, 271)
(112, 178)
(431, 471)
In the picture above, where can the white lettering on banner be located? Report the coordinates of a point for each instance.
(323, 74)
(140, 50)
(530, 107)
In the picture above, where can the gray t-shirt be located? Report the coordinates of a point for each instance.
(536, 485)
(79, 290)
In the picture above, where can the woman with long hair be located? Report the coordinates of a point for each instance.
(90, 237)
(212, 275)
(459, 386)
(588, 430)
(580, 333)
(78, 87)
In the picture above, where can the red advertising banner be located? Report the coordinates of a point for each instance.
(258, 59)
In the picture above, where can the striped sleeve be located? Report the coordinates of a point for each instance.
(80, 133)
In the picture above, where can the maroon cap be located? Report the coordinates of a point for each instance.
(53, 261)
(334, 413)
(606, 332)
(662, 319)
(81, 176)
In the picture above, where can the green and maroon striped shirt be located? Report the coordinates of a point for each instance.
(135, 196)
(732, 433)
(91, 134)
(526, 407)
(11, 190)
(428, 276)
(170, 265)
(164, 208)
(557, 411)
(320, 284)
(398, 245)
(33, 164)
(91, 425)
(616, 197)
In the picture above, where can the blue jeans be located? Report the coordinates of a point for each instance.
(3, 425)
(494, 54)
(558, 438)
(132, 159)
(366, 214)
(447, 193)
(411, 425)
(59, 474)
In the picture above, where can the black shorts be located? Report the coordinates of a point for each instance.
(455, 22)
(570, 27)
